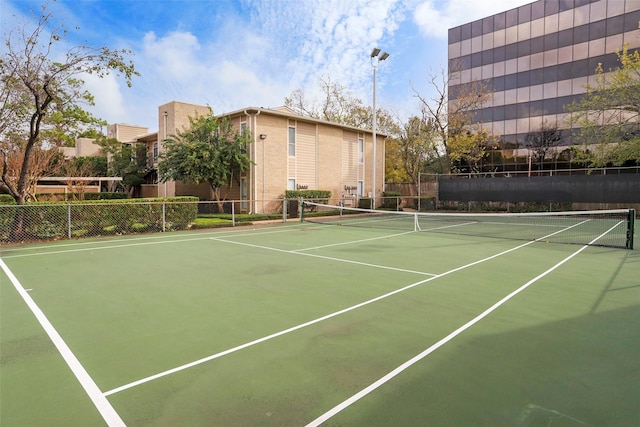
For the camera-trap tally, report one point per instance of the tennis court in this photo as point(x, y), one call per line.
point(317, 324)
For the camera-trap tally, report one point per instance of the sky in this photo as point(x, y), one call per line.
point(232, 54)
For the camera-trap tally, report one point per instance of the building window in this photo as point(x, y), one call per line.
point(360, 150)
point(291, 184)
point(360, 188)
point(292, 142)
point(155, 152)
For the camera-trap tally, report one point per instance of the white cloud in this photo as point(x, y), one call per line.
point(435, 17)
point(108, 98)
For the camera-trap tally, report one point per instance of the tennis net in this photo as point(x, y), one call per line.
point(612, 228)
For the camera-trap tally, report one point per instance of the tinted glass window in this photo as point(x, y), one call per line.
point(565, 37)
point(615, 25)
point(536, 108)
point(524, 13)
point(551, 7)
point(454, 35)
point(631, 20)
point(581, 34)
point(476, 59)
point(551, 41)
point(524, 78)
point(498, 83)
point(465, 32)
point(549, 106)
point(581, 68)
point(499, 21)
point(536, 77)
point(598, 29)
point(487, 57)
point(537, 45)
point(565, 5)
point(510, 81)
point(512, 17)
point(522, 109)
point(565, 71)
point(487, 25)
point(550, 74)
point(500, 54)
point(537, 10)
point(486, 115)
point(476, 28)
point(510, 113)
point(524, 48)
point(511, 51)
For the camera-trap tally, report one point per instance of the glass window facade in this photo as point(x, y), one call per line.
point(537, 58)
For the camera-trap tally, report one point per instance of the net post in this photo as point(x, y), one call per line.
point(301, 209)
point(630, 228)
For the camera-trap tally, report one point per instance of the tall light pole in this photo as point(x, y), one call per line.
point(376, 57)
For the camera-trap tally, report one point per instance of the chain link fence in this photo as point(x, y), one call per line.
point(57, 221)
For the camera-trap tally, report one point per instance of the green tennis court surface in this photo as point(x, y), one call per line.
point(313, 324)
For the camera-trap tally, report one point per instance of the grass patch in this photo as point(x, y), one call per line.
point(211, 222)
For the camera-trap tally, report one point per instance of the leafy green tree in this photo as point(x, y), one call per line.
point(608, 114)
point(128, 161)
point(209, 151)
point(469, 148)
point(417, 147)
point(37, 84)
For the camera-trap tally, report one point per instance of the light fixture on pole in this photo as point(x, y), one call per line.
point(376, 57)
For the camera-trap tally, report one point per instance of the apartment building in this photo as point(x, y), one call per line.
point(537, 58)
point(288, 152)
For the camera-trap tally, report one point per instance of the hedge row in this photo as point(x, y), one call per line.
point(36, 221)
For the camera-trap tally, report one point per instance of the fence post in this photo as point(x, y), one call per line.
point(233, 214)
point(68, 220)
point(284, 209)
point(163, 217)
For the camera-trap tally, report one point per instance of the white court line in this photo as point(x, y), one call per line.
point(164, 235)
point(347, 261)
point(350, 401)
point(312, 322)
point(97, 248)
point(351, 242)
point(107, 411)
point(309, 323)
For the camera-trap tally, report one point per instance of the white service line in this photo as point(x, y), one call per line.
point(107, 411)
point(351, 242)
point(362, 393)
point(303, 325)
point(311, 322)
point(298, 252)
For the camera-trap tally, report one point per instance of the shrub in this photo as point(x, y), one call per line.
point(7, 199)
point(365, 203)
point(320, 196)
point(390, 199)
point(107, 195)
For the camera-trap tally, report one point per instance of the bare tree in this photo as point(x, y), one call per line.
point(540, 142)
point(338, 105)
point(452, 111)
